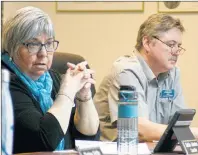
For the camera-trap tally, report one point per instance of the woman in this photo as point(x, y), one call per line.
point(46, 117)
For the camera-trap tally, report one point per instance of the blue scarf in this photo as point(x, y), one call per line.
point(41, 88)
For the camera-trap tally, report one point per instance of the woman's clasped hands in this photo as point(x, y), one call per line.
point(77, 81)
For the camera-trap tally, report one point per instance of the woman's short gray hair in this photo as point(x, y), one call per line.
point(155, 25)
point(27, 23)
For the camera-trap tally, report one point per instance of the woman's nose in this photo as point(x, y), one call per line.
point(43, 51)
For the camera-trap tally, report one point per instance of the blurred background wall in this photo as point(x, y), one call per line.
point(101, 37)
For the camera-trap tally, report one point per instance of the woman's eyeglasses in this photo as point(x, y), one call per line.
point(50, 46)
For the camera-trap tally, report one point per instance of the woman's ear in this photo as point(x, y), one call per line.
point(145, 44)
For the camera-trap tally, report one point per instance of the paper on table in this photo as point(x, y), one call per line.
point(109, 147)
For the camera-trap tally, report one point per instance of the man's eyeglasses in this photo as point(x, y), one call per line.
point(174, 48)
point(50, 46)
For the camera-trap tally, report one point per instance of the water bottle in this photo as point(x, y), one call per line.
point(127, 124)
point(7, 115)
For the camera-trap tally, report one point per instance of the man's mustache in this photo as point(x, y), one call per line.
point(173, 59)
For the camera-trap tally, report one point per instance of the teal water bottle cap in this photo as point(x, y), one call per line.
point(127, 93)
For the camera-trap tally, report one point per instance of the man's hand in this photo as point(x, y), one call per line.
point(149, 131)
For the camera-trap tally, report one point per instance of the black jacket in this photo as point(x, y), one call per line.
point(34, 130)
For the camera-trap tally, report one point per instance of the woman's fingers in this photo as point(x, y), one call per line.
point(68, 72)
point(80, 75)
point(79, 67)
point(90, 80)
point(87, 85)
point(88, 73)
point(71, 65)
point(75, 69)
point(85, 74)
point(82, 66)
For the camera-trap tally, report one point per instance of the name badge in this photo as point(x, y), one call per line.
point(167, 93)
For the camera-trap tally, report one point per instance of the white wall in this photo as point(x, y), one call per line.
point(102, 37)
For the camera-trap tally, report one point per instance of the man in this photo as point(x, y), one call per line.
point(151, 69)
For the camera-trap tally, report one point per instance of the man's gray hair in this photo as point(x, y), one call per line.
point(155, 25)
point(28, 23)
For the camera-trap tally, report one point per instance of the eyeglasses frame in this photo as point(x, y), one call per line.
point(27, 44)
point(179, 48)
